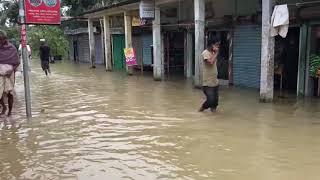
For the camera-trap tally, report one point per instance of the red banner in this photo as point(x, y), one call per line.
point(42, 11)
point(23, 36)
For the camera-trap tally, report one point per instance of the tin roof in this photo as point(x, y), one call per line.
point(113, 5)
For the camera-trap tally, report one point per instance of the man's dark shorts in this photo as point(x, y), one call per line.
point(45, 65)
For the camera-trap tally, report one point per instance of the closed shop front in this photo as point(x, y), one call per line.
point(83, 47)
point(137, 46)
point(99, 51)
point(247, 56)
point(147, 48)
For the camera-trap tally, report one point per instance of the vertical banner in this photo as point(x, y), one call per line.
point(42, 12)
point(130, 56)
point(23, 33)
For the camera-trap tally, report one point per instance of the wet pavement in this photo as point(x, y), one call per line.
point(95, 125)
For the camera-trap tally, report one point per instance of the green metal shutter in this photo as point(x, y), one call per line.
point(247, 56)
point(118, 44)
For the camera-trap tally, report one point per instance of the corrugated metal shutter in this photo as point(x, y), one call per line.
point(118, 44)
point(147, 54)
point(246, 56)
point(137, 45)
point(99, 52)
point(84, 52)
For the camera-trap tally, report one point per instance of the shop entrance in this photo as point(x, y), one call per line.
point(174, 53)
point(286, 60)
point(223, 58)
point(314, 62)
point(75, 51)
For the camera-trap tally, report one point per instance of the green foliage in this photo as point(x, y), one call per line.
point(78, 6)
point(13, 32)
point(9, 12)
point(314, 65)
point(54, 37)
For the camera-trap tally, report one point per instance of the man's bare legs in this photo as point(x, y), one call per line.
point(4, 107)
point(10, 104)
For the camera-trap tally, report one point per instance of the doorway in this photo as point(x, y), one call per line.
point(118, 44)
point(174, 53)
point(75, 51)
point(286, 60)
point(223, 57)
point(313, 84)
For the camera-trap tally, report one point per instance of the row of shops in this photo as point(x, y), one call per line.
point(173, 42)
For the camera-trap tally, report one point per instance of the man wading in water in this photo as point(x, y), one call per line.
point(45, 57)
point(9, 61)
point(210, 81)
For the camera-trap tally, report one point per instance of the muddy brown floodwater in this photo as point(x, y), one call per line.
point(97, 125)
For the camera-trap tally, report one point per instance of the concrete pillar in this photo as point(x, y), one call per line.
point(107, 42)
point(267, 54)
point(199, 17)
point(230, 68)
point(92, 44)
point(128, 35)
point(188, 55)
point(102, 39)
point(185, 55)
point(157, 47)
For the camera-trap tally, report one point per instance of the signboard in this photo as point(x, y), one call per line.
point(147, 9)
point(42, 11)
point(135, 21)
point(130, 56)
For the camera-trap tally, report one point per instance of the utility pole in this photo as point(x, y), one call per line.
point(25, 59)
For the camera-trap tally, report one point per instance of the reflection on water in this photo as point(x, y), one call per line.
point(90, 124)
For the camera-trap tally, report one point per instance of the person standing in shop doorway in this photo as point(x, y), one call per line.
point(210, 80)
point(45, 57)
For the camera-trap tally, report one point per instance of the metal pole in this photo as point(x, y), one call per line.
point(25, 59)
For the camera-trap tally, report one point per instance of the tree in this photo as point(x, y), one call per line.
point(9, 12)
point(54, 36)
point(76, 7)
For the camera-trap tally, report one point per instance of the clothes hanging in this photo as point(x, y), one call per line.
point(280, 21)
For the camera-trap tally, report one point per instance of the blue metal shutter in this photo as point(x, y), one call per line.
point(147, 54)
point(137, 45)
point(99, 51)
point(247, 56)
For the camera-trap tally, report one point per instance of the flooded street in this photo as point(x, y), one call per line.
point(96, 125)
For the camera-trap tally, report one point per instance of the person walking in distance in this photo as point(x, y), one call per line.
point(45, 57)
point(210, 80)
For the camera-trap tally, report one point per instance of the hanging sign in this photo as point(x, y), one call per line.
point(42, 11)
point(135, 21)
point(147, 9)
point(130, 55)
